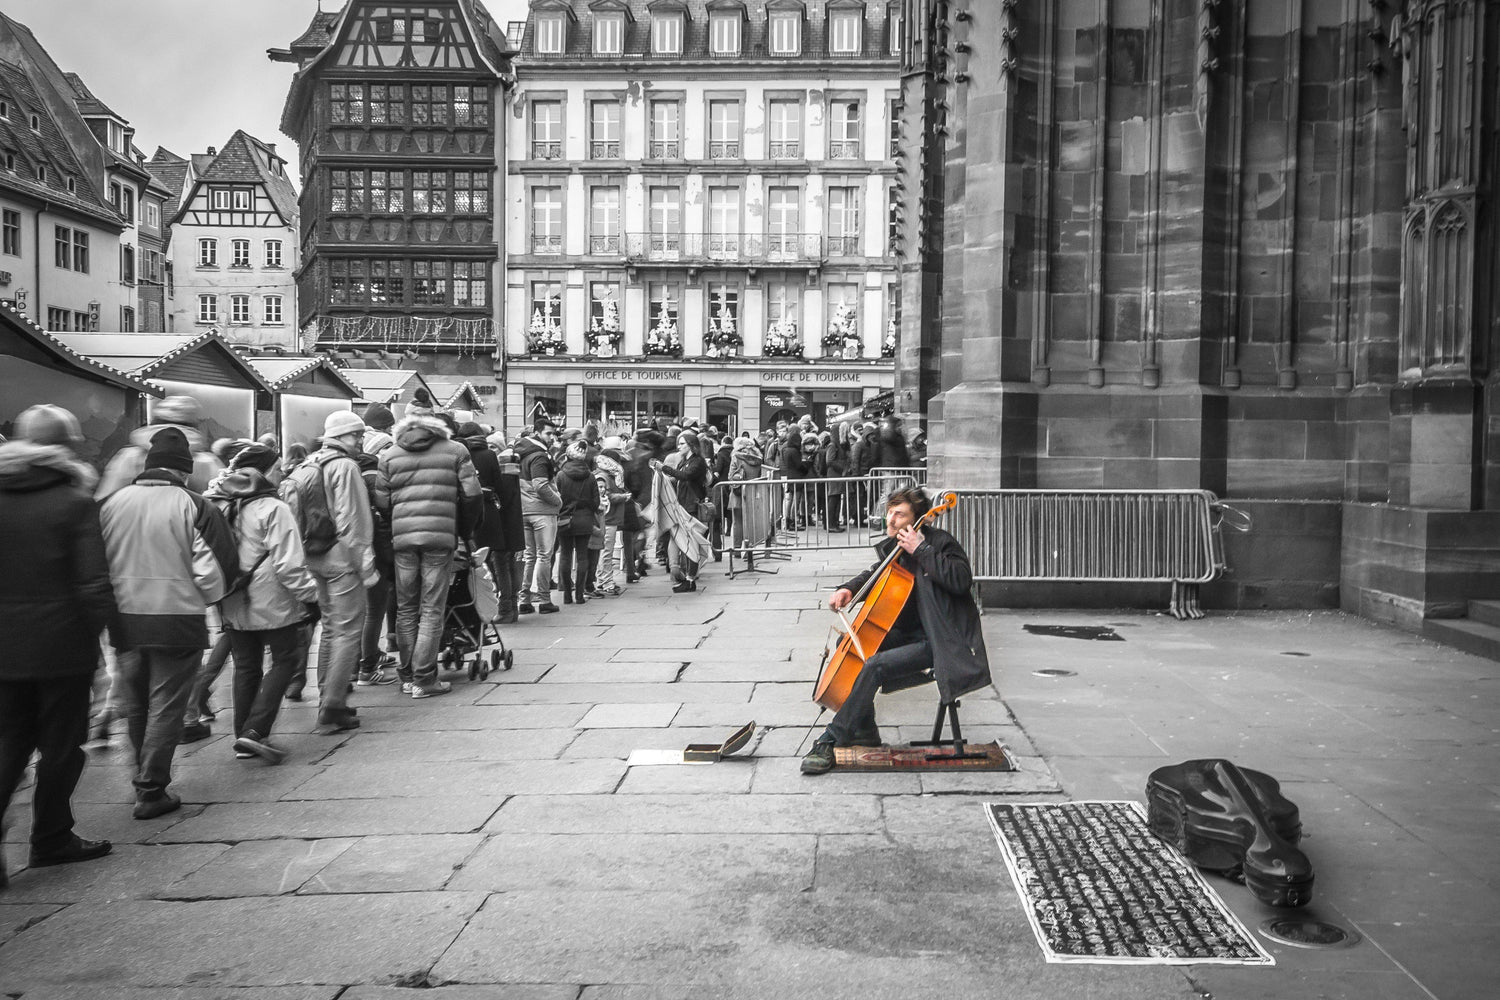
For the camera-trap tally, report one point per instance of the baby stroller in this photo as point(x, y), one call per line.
point(469, 618)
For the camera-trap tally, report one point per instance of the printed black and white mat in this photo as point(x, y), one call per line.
point(1099, 887)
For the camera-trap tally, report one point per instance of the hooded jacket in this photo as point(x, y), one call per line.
point(349, 503)
point(130, 461)
point(55, 592)
point(538, 494)
point(268, 542)
point(580, 498)
point(745, 462)
point(789, 458)
point(428, 484)
point(170, 556)
point(613, 472)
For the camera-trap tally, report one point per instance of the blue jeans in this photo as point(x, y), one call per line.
point(422, 577)
point(902, 657)
point(541, 540)
point(341, 597)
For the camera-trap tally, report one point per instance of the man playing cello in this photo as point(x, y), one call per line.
point(937, 629)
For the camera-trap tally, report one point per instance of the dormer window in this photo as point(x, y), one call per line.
point(724, 32)
point(36, 123)
point(786, 33)
point(116, 133)
point(41, 173)
point(71, 185)
point(844, 27)
point(4, 109)
point(609, 34)
point(551, 34)
point(666, 34)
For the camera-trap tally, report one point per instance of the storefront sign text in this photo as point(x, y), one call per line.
point(626, 374)
point(806, 376)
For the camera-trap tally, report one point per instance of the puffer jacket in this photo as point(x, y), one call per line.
point(349, 503)
point(428, 484)
point(538, 492)
point(267, 532)
point(130, 462)
point(608, 466)
point(55, 593)
point(580, 498)
point(170, 556)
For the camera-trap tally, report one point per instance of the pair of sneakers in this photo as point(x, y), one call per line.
point(382, 675)
point(420, 691)
point(252, 744)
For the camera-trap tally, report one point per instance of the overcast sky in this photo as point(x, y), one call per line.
point(186, 73)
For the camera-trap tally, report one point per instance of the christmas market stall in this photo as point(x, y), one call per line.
point(307, 390)
point(395, 387)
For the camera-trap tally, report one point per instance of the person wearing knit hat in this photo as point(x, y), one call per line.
point(378, 421)
point(181, 412)
point(55, 599)
point(421, 404)
point(164, 579)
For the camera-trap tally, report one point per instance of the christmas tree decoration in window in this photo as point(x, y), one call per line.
point(842, 338)
point(545, 335)
point(663, 338)
point(723, 335)
point(783, 340)
point(605, 332)
point(888, 345)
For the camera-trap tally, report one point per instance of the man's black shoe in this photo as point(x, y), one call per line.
point(159, 805)
point(819, 759)
point(194, 732)
point(548, 608)
point(526, 609)
point(685, 587)
point(78, 850)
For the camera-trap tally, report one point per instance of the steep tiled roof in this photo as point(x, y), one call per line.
point(245, 159)
point(319, 32)
point(46, 146)
point(144, 354)
point(754, 40)
point(69, 357)
point(281, 372)
point(170, 170)
point(88, 104)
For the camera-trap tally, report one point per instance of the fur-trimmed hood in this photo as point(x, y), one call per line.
point(419, 432)
point(26, 466)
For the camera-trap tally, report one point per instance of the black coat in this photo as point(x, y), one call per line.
point(512, 524)
point(692, 481)
point(891, 453)
point(947, 609)
point(580, 499)
point(55, 591)
point(491, 530)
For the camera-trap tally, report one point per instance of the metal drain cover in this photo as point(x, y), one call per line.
point(1055, 672)
point(1305, 932)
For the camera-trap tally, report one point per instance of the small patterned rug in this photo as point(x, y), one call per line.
point(917, 758)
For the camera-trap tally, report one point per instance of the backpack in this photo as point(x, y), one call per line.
point(231, 509)
point(305, 490)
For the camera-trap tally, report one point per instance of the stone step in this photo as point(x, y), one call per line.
point(1471, 636)
point(1487, 612)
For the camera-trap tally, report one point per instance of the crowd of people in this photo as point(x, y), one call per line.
point(355, 542)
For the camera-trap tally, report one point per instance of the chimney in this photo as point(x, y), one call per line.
point(212, 151)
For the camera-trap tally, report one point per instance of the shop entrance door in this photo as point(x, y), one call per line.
point(724, 413)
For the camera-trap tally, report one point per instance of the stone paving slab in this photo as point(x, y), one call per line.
point(725, 776)
point(633, 714)
point(596, 672)
point(101, 821)
point(514, 991)
point(296, 940)
point(593, 694)
point(130, 871)
point(619, 743)
point(485, 718)
point(710, 863)
point(407, 779)
point(446, 747)
point(77, 992)
point(344, 818)
point(256, 868)
point(752, 668)
point(701, 813)
point(394, 864)
point(16, 917)
point(719, 653)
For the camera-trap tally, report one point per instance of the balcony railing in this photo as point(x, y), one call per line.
point(666, 150)
point(786, 150)
point(546, 244)
point(843, 149)
point(843, 246)
point(723, 151)
point(604, 246)
point(604, 150)
point(546, 150)
point(739, 248)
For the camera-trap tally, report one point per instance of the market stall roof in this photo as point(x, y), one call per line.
point(458, 394)
point(51, 350)
point(317, 373)
point(205, 358)
point(384, 385)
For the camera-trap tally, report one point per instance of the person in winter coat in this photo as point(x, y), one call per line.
point(609, 468)
point(539, 509)
point(691, 473)
point(793, 468)
point(938, 629)
point(428, 486)
point(580, 500)
point(833, 458)
point(639, 479)
point(55, 599)
point(745, 463)
point(506, 557)
point(892, 452)
point(181, 412)
point(170, 556)
point(276, 596)
point(376, 667)
point(379, 421)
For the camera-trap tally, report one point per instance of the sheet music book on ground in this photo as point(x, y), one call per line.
point(1099, 887)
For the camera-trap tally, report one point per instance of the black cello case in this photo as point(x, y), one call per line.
point(1234, 821)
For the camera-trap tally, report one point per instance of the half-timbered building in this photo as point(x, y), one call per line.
point(394, 108)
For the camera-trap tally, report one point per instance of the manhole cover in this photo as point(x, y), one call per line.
point(1296, 654)
point(1055, 672)
point(1305, 932)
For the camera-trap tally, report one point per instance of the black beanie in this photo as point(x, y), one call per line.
point(169, 450)
point(378, 416)
point(257, 456)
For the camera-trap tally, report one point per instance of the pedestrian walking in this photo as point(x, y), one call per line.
point(540, 505)
point(181, 412)
point(745, 463)
point(580, 500)
point(55, 600)
point(170, 556)
point(506, 557)
point(610, 469)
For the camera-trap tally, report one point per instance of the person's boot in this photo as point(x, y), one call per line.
point(77, 850)
point(508, 613)
point(156, 805)
point(819, 759)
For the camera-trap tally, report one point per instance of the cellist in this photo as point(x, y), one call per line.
point(937, 630)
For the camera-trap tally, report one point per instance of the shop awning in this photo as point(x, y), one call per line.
point(24, 339)
point(308, 376)
point(391, 386)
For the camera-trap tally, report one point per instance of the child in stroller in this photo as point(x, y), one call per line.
point(469, 618)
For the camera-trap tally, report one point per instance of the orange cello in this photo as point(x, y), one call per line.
point(884, 595)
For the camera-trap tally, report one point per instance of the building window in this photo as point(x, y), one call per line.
point(666, 222)
point(10, 230)
point(601, 294)
point(893, 29)
point(471, 106)
point(208, 308)
point(546, 220)
point(609, 34)
point(127, 265)
point(387, 104)
point(153, 215)
point(546, 130)
point(86, 320)
point(36, 123)
point(272, 310)
point(551, 35)
point(429, 105)
point(786, 33)
point(893, 214)
point(429, 285)
point(127, 201)
point(41, 173)
point(783, 318)
point(783, 223)
point(388, 191)
point(127, 319)
point(723, 313)
point(273, 253)
point(546, 307)
point(242, 199)
point(240, 253)
point(723, 130)
point(786, 129)
point(843, 130)
point(5, 110)
point(844, 32)
point(429, 191)
point(666, 130)
point(10, 161)
point(604, 130)
point(346, 103)
point(604, 220)
point(72, 185)
point(724, 223)
point(387, 284)
point(80, 251)
point(346, 281)
point(62, 247)
point(208, 253)
point(724, 33)
point(346, 191)
point(58, 320)
point(471, 282)
point(666, 34)
point(843, 221)
point(843, 319)
point(471, 192)
point(218, 199)
point(239, 308)
point(893, 112)
point(663, 313)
